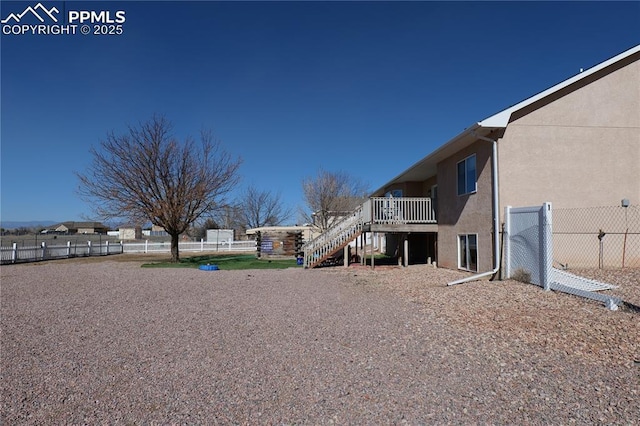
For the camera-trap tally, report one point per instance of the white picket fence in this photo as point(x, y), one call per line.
point(15, 254)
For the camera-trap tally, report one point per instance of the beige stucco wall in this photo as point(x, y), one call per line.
point(578, 148)
point(581, 150)
point(426, 186)
point(466, 214)
point(414, 189)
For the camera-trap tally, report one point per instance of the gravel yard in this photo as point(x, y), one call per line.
point(111, 343)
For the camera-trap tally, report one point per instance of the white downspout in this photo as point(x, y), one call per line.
point(496, 216)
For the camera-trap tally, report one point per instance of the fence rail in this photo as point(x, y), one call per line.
point(15, 254)
point(200, 246)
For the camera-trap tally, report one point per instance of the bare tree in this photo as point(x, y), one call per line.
point(147, 175)
point(229, 216)
point(262, 208)
point(331, 195)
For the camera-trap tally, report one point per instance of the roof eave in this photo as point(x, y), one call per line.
point(501, 119)
point(483, 129)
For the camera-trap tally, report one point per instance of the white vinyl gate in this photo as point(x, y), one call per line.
point(528, 251)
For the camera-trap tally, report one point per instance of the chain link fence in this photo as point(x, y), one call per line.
point(597, 237)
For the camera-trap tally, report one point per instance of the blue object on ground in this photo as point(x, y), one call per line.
point(209, 267)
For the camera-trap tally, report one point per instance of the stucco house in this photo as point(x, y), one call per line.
point(79, 228)
point(576, 144)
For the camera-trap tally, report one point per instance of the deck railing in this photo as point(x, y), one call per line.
point(401, 210)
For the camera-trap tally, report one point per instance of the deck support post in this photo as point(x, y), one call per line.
point(405, 252)
point(364, 250)
point(356, 247)
point(346, 255)
point(372, 252)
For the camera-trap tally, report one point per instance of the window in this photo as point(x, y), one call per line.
point(467, 175)
point(468, 252)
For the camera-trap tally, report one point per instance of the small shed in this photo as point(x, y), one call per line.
point(280, 240)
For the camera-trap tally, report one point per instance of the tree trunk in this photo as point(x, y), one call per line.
point(175, 255)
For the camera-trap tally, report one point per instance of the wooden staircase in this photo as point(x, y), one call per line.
point(334, 239)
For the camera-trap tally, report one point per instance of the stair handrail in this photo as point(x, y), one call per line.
point(335, 235)
point(357, 213)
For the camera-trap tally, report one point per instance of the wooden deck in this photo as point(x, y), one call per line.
point(377, 214)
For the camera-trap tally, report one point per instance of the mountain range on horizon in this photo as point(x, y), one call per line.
point(15, 224)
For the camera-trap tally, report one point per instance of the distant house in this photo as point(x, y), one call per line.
point(79, 228)
point(576, 145)
point(129, 232)
point(136, 232)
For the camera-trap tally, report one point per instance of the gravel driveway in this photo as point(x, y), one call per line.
point(112, 343)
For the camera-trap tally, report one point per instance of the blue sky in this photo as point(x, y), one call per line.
point(363, 87)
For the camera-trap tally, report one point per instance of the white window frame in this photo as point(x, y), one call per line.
point(467, 252)
point(475, 178)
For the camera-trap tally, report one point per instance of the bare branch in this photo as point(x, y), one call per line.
point(262, 208)
point(331, 195)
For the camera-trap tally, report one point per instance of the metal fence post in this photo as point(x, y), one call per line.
point(44, 249)
point(580, 235)
point(546, 246)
